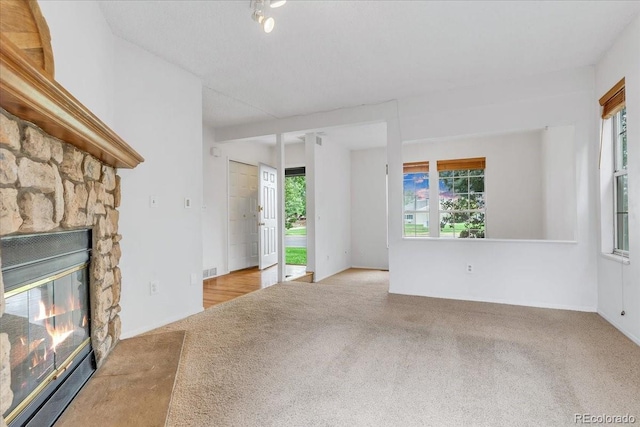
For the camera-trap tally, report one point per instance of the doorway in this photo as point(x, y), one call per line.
point(268, 215)
point(243, 216)
point(295, 240)
point(252, 210)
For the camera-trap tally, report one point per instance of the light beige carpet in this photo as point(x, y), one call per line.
point(132, 388)
point(347, 354)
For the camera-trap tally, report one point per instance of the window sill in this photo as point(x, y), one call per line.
point(445, 239)
point(617, 258)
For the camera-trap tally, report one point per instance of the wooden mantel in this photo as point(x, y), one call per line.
point(30, 93)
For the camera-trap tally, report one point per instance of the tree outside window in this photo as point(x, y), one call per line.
point(295, 196)
point(462, 203)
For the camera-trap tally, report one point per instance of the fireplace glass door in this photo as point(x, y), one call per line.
point(47, 322)
point(45, 329)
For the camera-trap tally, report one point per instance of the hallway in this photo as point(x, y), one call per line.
point(237, 283)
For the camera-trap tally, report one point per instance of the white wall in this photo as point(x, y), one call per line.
point(215, 193)
point(329, 229)
point(128, 89)
point(83, 53)
point(294, 155)
point(535, 273)
point(618, 283)
point(369, 209)
point(513, 185)
point(558, 183)
point(163, 122)
point(543, 273)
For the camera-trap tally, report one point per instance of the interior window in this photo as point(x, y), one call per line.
point(416, 199)
point(462, 198)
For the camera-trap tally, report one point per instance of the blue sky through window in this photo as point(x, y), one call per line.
point(418, 184)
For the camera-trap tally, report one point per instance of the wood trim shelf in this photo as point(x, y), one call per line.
point(23, 23)
point(28, 93)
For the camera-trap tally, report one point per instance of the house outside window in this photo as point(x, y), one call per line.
point(461, 192)
point(461, 208)
point(416, 199)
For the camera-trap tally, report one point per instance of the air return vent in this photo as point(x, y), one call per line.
point(210, 272)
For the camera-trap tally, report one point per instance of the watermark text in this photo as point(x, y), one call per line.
point(603, 419)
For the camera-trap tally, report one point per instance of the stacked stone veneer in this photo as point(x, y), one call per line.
point(49, 185)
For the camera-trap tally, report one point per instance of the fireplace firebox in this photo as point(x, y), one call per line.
point(47, 320)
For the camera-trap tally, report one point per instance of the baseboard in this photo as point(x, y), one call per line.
point(316, 280)
point(587, 309)
point(368, 267)
point(147, 328)
point(620, 328)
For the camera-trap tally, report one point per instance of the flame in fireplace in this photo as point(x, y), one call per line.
point(61, 331)
point(56, 310)
point(43, 313)
point(38, 358)
point(21, 350)
point(58, 334)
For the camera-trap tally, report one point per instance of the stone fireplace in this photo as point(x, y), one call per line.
point(59, 309)
point(47, 186)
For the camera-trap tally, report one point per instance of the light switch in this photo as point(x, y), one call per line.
point(187, 203)
point(194, 279)
point(153, 201)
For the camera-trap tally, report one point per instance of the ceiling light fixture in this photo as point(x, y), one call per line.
point(266, 22)
point(276, 3)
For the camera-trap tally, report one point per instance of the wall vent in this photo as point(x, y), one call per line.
point(210, 272)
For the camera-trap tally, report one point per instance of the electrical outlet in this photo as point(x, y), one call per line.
point(469, 268)
point(154, 287)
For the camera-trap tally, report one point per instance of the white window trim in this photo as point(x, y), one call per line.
point(415, 213)
point(434, 213)
point(616, 249)
point(484, 210)
point(616, 173)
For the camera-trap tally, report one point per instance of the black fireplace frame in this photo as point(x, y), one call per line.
point(27, 258)
point(51, 402)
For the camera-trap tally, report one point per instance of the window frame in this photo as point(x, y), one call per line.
point(433, 212)
point(411, 168)
point(623, 171)
point(480, 165)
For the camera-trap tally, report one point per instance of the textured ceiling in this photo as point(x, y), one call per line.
point(325, 55)
point(356, 137)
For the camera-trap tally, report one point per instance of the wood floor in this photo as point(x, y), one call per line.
point(224, 288)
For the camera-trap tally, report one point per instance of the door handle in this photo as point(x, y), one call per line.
point(260, 223)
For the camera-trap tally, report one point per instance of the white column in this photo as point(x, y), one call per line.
point(394, 160)
point(310, 172)
point(282, 268)
point(434, 199)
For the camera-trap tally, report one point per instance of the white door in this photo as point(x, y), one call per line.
point(268, 177)
point(243, 216)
